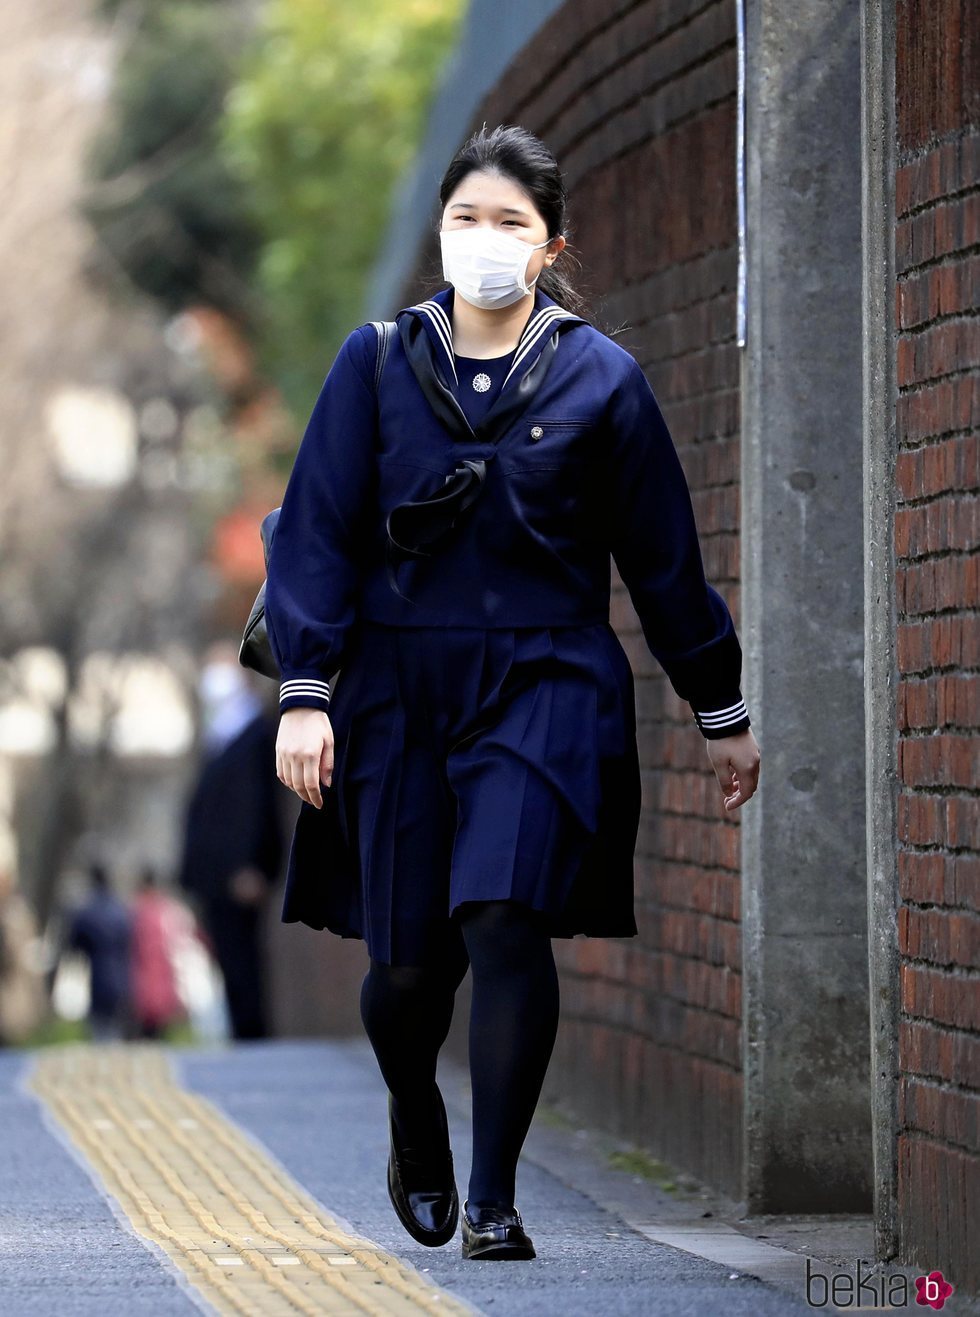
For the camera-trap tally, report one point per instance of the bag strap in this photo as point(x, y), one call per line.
point(385, 329)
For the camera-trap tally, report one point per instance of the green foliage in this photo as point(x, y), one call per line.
point(325, 117)
point(164, 206)
point(53, 1031)
point(249, 157)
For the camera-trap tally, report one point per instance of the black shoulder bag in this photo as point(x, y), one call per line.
point(255, 651)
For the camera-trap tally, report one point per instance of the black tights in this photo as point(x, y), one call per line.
point(407, 1011)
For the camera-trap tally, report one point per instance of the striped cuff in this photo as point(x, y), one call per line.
point(304, 693)
point(716, 723)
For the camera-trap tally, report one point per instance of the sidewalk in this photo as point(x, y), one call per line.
point(258, 1173)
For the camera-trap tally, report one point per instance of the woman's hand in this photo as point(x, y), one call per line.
point(304, 753)
point(247, 886)
point(735, 760)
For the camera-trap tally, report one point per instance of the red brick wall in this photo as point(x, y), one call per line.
point(638, 102)
point(937, 530)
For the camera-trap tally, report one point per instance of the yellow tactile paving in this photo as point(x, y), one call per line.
point(249, 1238)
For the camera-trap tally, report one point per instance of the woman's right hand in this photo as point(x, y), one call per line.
point(304, 752)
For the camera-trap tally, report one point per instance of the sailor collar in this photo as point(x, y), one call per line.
point(426, 331)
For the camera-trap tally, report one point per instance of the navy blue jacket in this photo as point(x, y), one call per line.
point(580, 464)
point(102, 929)
point(231, 817)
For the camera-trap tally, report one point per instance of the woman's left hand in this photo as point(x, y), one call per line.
point(735, 760)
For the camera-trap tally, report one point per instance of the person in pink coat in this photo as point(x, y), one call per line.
point(158, 923)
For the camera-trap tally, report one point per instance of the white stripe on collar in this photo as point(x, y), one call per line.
point(539, 323)
point(443, 327)
point(535, 328)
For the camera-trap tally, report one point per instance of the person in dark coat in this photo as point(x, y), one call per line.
point(470, 781)
point(101, 929)
point(232, 843)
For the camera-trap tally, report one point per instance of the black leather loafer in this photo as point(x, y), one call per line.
point(423, 1189)
point(495, 1232)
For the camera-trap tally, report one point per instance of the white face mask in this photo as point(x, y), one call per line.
point(485, 266)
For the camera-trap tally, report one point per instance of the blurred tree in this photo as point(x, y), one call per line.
point(250, 154)
point(324, 119)
point(166, 209)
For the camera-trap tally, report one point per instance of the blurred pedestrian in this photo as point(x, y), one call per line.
point(159, 924)
point(478, 752)
point(101, 929)
point(232, 845)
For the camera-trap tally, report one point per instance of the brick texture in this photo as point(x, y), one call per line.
point(637, 100)
point(937, 530)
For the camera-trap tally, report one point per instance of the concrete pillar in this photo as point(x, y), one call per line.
point(880, 626)
point(807, 1107)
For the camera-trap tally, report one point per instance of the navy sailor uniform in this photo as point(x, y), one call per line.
point(482, 705)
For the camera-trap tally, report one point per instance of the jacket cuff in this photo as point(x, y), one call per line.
point(725, 721)
point(301, 692)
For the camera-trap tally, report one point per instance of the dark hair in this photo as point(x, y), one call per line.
point(520, 156)
point(99, 876)
point(149, 876)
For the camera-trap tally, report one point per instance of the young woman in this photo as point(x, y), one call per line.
point(470, 785)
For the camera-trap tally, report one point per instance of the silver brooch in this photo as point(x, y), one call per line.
point(481, 382)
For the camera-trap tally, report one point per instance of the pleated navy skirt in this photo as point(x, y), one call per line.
point(473, 764)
